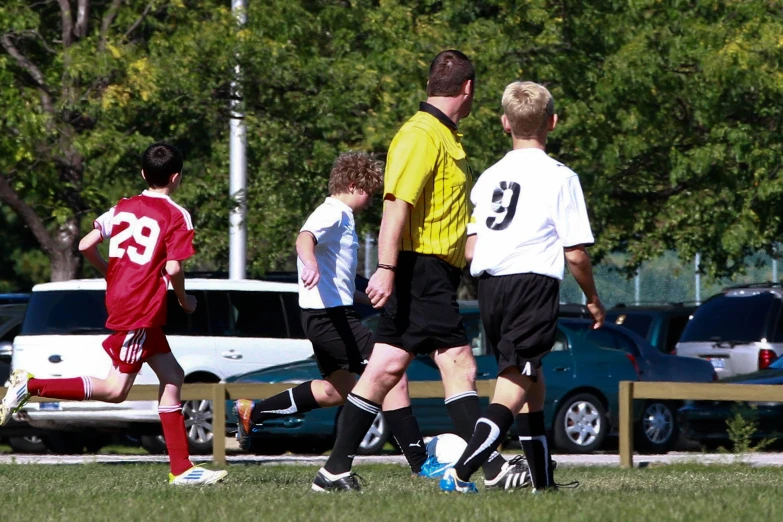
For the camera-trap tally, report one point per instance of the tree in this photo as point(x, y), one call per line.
point(89, 84)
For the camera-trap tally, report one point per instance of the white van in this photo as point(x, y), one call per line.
point(238, 326)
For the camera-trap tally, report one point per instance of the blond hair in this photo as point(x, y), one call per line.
point(528, 107)
point(357, 168)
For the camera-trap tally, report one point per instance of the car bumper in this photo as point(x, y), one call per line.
point(52, 416)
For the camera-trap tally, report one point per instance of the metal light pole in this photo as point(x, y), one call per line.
point(697, 278)
point(237, 249)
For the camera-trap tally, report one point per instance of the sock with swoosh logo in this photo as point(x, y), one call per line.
point(489, 432)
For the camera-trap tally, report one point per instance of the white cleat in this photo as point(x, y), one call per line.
point(197, 476)
point(16, 396)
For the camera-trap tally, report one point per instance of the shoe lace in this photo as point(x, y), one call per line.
point(357, 479)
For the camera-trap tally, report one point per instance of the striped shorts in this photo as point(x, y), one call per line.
point(129, 350)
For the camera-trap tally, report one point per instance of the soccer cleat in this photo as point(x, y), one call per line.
point(243, 408)
point(197, 476)
point(556, 487)
point(514, 474)
point(344, 482)
point(432, 468)
point(451, 483)
point(16, 396)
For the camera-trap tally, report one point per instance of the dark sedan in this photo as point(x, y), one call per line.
point(705, 421)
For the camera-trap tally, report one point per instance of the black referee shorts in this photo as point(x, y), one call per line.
point(422, 314)
point(519, 314)
point(340, 340)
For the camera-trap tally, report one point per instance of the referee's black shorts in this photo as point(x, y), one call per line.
point(340, 340)
point(422, 314)
point(519, 315)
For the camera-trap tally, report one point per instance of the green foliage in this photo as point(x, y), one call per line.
point(668, 111)
point(742, 428)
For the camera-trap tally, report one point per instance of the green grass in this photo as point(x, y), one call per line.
point(265, 493)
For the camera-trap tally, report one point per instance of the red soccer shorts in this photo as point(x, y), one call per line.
point(129, 350)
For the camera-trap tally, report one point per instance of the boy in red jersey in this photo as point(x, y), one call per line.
point(149, 237)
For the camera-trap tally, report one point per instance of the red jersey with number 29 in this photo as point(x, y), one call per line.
point(144, 232)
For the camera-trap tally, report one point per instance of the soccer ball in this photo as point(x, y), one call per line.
point(447, 448)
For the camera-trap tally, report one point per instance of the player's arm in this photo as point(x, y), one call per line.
point(179, 247)
point(305, 249)
point(470, 247)
point(177, 279)
point(582, 269)
point(395, 215)
point(88, 246)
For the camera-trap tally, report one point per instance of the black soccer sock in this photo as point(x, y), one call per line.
point(490, 430)
point(405, 429)
point(355, 420)
point(294, 400)
point(532, 437)
point(464, 410)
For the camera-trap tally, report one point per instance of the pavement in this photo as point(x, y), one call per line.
point(752, 459)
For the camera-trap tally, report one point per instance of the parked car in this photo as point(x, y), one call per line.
point(238, 326)
point(661, 324)
point(657, 430)
point(582, 394)
point(738, 331)
point(705, 421)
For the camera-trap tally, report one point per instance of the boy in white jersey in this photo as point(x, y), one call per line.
point(529, 216)
point(327, 248)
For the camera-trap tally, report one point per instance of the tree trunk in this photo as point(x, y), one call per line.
point(66, 260)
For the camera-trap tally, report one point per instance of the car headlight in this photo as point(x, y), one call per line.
point(763, 404)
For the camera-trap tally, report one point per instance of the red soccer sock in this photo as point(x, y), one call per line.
point(76, 388)
point(176, 438)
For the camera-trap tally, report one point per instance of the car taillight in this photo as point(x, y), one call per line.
point(635, 364)
point(714, 376)
point(674, 351)
point(766, 357)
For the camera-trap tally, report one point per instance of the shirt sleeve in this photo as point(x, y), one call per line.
point(409, 165)
point(179, 239)
point(323, 224)
point(103, 223)
point(570, 215)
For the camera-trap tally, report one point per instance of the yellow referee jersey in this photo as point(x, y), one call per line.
point(427, 167)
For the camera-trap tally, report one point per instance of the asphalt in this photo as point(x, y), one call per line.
point(753, 459)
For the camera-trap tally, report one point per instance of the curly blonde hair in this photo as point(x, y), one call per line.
point(358, 169)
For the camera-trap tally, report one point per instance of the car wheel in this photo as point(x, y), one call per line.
point(29, 444)
point(64, 443)
point(581, 424)
point(154, 444)
point(657, 431)
point(198, 425)
point(376, 437)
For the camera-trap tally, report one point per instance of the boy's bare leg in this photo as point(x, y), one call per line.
point(171, 377)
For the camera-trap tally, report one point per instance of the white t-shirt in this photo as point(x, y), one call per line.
point(527, 208)
point(336, 250)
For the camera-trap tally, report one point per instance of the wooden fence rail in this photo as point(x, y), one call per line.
point(630, 390)
point(218, 393)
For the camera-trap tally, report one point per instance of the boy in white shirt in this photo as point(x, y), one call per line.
point(529, 216)
point(327, 248)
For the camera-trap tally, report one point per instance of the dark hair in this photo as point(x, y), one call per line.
point(448, 71)
point(159, 162)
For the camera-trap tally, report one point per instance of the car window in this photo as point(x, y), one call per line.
point(293, 315)
point(606, 338)
point(13, 332)
point(677, 324)
point(65, 312)
point(561, 342)
point(472, 324)
point(221, 314)
point(637, 322)
point(736, 318)
point(180, 323)
point(258, 314)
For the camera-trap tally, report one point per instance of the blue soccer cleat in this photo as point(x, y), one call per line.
point(451, 483)
point(433, 469)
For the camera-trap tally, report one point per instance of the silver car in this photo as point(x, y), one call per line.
point(739, 330)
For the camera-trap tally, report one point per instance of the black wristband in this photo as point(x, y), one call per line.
point(387, 267)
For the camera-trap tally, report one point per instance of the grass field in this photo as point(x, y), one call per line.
point(262, 493)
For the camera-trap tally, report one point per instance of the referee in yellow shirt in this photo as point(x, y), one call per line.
point(421, 253)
